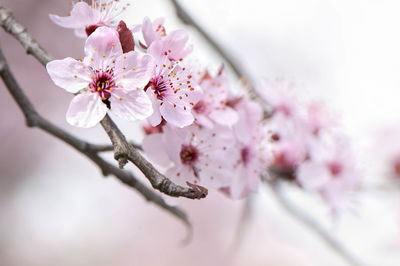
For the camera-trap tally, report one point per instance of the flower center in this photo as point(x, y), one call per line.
point(200, 107)
point(103, 84)
point(189, 154)
point(245, 155)
point(159, 85)
point(335, 168)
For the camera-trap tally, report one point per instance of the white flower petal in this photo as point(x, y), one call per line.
point(176, 116)
point(81, 16)
point(102, 47)
point(134, 70)
point(86, 110)
point(69, 74)
point(225, 117)
point(131, 105)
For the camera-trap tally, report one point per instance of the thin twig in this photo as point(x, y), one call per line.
point(123, 152)
point(16, 29)
point(107, 147)
point(34, 119)
point(243, 224)
point(306, 220)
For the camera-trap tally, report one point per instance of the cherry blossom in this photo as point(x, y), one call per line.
point(254, 156)
point(289, 137)
point(173, 92)
point(172, 45)
point(153, 31)
point(106, 79)
point(194, 154)
point(330, 170)
point(318, 118)
point(277, 94)
point(84, 18)
point(213, 107)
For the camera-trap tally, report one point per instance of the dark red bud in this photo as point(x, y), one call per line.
point(90, 29)
point(125, 37)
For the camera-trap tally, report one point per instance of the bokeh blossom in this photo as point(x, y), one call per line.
point(194, 154)
point(214, 106)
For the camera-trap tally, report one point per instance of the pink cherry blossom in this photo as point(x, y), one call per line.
point(277, 94)
point(213, 107)
point(172, 45)
point(386, 147)
point(250, 116)
point(194, 154)
point(86, 18)
point(330, 170)
point(173, 92)
point(318, 118)
point(153, 31)
point(106, 79)
point(289, 137)
point(254, 156)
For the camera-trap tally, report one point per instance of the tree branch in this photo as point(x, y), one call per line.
point(124, 152)
point(306, 220)
point(34, 119)
point(107, 147)
point(13, 27)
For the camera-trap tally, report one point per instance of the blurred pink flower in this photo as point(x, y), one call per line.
point(213, 107)
point(86, 18)
point(194, 154)
point(254, 157)
point(289, 138)
point(330, 170)
point(276, 93)
point(105, 79)
point(318, 118)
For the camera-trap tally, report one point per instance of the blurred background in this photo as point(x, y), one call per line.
point(57, 209)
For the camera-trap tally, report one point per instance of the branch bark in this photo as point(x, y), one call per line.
point(124, 152)
point(16, 29)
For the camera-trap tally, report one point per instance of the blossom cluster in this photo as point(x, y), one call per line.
point(196, 128)
point(308, 146)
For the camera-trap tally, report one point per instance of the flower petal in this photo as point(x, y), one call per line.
point(102, 47)
point(155, 118)
point(175, 42)
point(81, 16)
point(134, 70)
point(131, 104)
point(181, 174)
point(86, 110)
point(225, 117)
point(148, 31)
point(312, 175)
point(69, 74)
point(175, 115)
